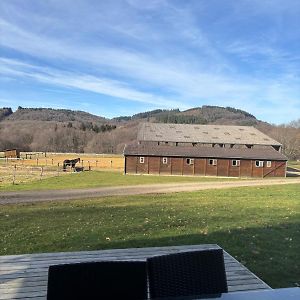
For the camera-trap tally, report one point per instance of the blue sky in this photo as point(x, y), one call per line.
point(115, 58)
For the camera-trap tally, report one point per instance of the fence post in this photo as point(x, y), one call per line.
point(89, 165)
point(14, 174)
point(96, 163)
point(57, 169)
point(37, 161)
point(52, 161)
point(41, 174)
point(111, 164)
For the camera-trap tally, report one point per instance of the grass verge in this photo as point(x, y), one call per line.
point(259, 226)
point(101, 179)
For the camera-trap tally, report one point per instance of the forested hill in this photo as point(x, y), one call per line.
point(200, 115)
point(5, 112)
point(50, 114)
point(61, 130)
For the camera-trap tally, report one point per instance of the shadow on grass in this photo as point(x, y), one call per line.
point(272, 252)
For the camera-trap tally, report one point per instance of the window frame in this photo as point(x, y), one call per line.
point(237, 163)
point(269, 164)
point(189, 161)
point(260, 164)
point(142, 159)
point(165, 160)
point(212, 161)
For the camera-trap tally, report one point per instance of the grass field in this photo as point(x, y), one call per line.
point(259, 226)
point(100, 179)
point(294, 164)
point(29, 168)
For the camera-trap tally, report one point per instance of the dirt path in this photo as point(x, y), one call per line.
point(52, 195)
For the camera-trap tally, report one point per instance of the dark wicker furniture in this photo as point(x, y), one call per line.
point(187, 273)
point(98, 280)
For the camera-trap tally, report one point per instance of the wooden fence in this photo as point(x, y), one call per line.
point(87, 162)
point(16, 174)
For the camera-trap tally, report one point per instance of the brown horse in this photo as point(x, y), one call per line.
point(70, 163)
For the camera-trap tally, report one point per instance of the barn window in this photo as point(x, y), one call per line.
point(259, 163)
point(269, 164)
point(235, 163)
point(189, 161)
point(212, 162)
point(165, 160)
point(142, 159)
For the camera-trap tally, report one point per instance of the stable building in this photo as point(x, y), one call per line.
point(12, 153)
point(204, 150)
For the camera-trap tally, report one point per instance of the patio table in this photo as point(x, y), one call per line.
point(271, 294)
point(25, 276)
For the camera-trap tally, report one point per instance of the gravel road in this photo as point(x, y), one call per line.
point(54, 195)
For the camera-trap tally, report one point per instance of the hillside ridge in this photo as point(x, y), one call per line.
point(200, 115)
point(65, 130)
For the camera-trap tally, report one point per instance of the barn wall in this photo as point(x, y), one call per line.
point(201, 166)
point(187, 169)
point(130, 164)
point(234, 171)
point(154, 165)
point(211, 170)
point(246, 168)
point(277, 169)
point(222, 167)
point(165, 168)
point(257, 171)
point(281, 169)
point(177, 166)
point(14, 153)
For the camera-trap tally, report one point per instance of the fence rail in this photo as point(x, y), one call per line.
point(116, 163)
point(16, 174)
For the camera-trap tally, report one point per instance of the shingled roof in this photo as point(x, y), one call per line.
point(210, 152)
point(210, 134)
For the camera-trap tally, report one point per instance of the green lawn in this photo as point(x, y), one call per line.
point(259, 226)
point(101, 179)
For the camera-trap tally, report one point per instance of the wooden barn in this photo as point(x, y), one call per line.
point(207, 150)
point(12, 153)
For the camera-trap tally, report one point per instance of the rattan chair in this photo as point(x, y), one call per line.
point(98, 280)
point(187, 274)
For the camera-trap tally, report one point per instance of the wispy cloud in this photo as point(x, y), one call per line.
point(82, 81)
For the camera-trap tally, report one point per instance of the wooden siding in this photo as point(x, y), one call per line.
point(202, 167)
point(12, 153)
point(246, 167)
point(25, 276)
point(165, 168)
